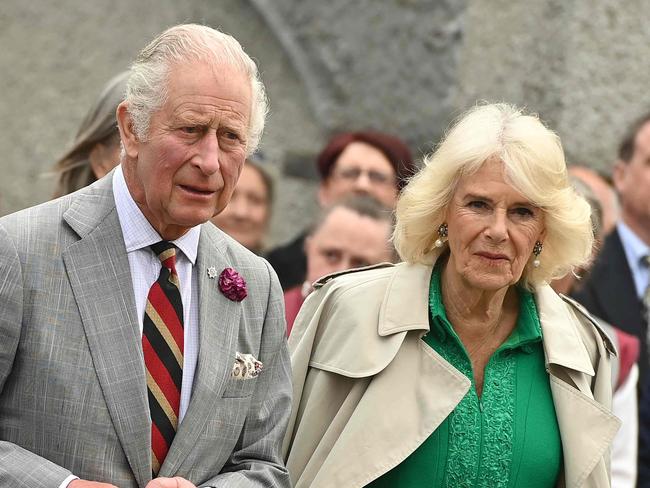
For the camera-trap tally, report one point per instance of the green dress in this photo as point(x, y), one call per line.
point(508, 437)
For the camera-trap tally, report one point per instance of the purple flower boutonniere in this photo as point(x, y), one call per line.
point(232, 285)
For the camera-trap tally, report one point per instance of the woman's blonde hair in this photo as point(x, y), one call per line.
point(534, 164)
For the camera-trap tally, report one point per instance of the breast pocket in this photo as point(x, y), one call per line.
point(237, 388)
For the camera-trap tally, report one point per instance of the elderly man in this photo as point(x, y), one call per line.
point(352, 163)
point(137, 342)
point(351, 233)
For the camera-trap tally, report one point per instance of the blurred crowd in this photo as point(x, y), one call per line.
point(361, 174)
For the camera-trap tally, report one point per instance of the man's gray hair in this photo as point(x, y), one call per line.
point(147, 87)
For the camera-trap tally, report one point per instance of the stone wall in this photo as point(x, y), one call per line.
point(406, 66)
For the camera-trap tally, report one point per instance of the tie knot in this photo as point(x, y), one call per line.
point(166, 252)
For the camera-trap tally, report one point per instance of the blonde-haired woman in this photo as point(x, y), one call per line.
point(461, 367)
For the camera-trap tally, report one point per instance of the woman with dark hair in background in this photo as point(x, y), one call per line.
point(96, 147)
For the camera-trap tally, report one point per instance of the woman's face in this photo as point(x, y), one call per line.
point(246, 216)
point(492, 229)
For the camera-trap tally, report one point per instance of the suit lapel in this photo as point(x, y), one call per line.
point(615, 288)
point(218, 326)
point(99, 273)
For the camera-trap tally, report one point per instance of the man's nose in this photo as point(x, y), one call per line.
point(207, 158)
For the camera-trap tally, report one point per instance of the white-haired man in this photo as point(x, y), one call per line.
point(137, 342)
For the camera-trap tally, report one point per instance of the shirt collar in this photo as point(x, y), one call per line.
point(527, 330)
point(136, 229)
point(634, 247)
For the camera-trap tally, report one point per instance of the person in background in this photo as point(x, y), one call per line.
point(351, 233)
point(96, 147)
point(363, 163)
point(461, 366)
point(618, 283)
point(247, 216)
point(625, 370)
point(603, 191)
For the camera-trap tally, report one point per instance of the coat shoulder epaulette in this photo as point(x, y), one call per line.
point(607, 340)
point(325, 279)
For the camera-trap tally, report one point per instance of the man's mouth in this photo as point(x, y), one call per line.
point(197, 190)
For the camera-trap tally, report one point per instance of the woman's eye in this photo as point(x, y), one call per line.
point(477, 204)
point(191, 129)
point(523, 212)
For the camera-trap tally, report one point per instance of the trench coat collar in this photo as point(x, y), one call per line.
point(402, 311)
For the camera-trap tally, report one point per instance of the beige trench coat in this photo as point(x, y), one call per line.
point(368, 391)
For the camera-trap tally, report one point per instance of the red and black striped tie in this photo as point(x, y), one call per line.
point(162, 344)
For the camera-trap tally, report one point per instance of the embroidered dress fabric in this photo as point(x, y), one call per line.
point(509, 437)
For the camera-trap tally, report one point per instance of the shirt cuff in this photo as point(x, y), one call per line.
point(68, 480)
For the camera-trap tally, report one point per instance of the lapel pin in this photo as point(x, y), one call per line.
point(212, 272)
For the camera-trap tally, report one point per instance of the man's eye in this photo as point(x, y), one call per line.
point(191, 129)
point(231, 136)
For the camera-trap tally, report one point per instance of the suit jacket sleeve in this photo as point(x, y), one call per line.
point(257, 459)
point(19, 468)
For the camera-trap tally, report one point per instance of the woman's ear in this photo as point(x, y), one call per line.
point(129, 138)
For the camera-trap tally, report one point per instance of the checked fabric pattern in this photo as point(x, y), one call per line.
point(162, 344)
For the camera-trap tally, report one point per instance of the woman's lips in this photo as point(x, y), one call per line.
point(493, 256)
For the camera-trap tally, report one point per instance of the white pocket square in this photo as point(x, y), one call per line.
point(246, 367)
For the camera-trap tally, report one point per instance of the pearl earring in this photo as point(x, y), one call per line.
point(443, 231)
point(537, 250)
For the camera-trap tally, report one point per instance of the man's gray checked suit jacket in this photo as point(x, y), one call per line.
point(73, 395)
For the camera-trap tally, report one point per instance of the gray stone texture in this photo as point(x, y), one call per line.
point(580, 65)
point(405, 66)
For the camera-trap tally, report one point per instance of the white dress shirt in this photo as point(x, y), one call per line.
point(145, 268)
point(635, 249)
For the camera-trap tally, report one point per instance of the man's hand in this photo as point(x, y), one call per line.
point(89, 484)
point(176, 482)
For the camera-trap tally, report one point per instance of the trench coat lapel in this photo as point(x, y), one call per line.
point(391, 425)
point(218, 327)
point(99, 273)
point(378, 442)
point(586, 427)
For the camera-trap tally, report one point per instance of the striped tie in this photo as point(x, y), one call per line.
point(162, 344)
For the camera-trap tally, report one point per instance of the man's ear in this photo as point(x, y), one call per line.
point(130, 140)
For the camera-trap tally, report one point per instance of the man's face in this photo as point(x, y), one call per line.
point(346, 240)
point(360, 169)
point(186, 170)
point(632, 181)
